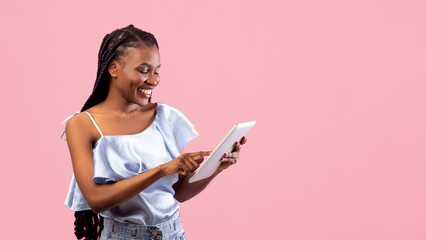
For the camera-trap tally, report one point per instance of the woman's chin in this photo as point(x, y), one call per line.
point(142, 101)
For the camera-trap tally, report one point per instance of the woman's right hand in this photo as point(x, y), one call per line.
point(185, 163)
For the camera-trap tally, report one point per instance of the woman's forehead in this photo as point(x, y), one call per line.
point(141, 55)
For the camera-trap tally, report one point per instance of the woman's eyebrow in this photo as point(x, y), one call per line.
point(149, 65)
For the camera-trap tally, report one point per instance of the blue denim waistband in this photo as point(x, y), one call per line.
point(137, 231)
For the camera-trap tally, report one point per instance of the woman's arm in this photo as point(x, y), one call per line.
point(185, 190)
point(101, 197)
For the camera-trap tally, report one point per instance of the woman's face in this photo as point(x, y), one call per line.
point(139, 74)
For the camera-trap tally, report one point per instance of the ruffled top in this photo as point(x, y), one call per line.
point(119, 157)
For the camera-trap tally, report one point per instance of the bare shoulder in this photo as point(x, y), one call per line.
point(77, 121)
point(79, 126)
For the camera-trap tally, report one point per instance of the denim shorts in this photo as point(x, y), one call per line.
point(169, 230)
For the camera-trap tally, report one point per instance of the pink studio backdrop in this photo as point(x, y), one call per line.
point(337, 89)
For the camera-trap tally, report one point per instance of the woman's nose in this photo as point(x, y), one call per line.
point(153, 80)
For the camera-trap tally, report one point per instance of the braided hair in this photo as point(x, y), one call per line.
point(115, 45)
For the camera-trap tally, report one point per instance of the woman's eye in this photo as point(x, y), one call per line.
point(147, 71)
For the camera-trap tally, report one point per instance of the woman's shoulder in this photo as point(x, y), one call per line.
point(78, 122)
point(169, 111)
point(81, 124)
point(175, 118)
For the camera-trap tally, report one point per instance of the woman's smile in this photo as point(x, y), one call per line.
point(145, 92)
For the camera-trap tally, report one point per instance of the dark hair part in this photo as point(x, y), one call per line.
point(115, 45)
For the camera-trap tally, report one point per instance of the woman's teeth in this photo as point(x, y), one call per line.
point(147, 91)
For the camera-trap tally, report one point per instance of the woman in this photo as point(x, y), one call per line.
point(127, 152)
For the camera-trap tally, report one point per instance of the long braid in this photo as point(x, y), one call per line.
point(88, 224)
point(101, 51)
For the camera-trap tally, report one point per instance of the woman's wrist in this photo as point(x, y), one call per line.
point(161, 170)
point(218, 171)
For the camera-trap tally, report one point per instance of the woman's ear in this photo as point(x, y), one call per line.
point(113, 68)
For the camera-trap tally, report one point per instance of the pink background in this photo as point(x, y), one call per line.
point(337, 89)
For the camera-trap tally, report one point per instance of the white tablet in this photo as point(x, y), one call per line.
point(210, 165)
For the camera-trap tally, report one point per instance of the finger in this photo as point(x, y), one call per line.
point(232, 155)
point(190, 162)
point(203, 153)
point(235, 155)
point(198, 158)
point(183, 165)
point(182, 171)
point(243, 140)
point(229, 160)
point(237, 147)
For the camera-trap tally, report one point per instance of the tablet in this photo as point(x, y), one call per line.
point(210, 165)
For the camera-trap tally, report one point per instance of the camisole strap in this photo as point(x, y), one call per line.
point(96, 125)
point(64, 122)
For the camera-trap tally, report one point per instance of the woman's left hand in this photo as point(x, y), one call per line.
point(231, 158)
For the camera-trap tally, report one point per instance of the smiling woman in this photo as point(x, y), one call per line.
point(130, 171)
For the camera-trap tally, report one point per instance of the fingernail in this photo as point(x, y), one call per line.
point(225, 154)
